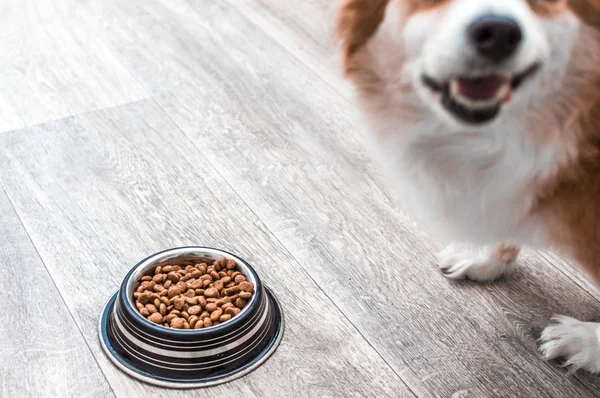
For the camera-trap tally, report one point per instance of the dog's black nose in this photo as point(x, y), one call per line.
point(495, 37)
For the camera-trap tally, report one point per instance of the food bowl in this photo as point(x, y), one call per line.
point(190, 358)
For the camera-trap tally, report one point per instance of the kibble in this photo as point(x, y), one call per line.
point(195, 296)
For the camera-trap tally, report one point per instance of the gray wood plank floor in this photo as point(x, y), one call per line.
point(38, 332)
point(226, 124)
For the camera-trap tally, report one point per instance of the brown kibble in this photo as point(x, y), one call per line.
point(196, 273)
point(233, 311)
point(173, 276)
point(144, 298)
point(178, 303)
point(218, 285)
point(240, 302)
point(170, 317)
point(225, 317)
point(194, 310)
point(174, 291)
point(230, 291)
point(156, 318)
point(223, 300)
point(195, 296)
point(197, 284)
point(247, 286)
point(152, 308)
point(177, 323)
point(231, 264)
point(214, 316)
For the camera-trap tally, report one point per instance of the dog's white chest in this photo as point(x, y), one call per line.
point(472, 187)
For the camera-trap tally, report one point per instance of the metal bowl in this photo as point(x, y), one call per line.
point(196, 357)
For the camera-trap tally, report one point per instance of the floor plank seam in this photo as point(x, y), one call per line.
point(74, 115)
point(57, 289)
point(283, 246)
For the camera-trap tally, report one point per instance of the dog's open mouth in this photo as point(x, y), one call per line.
point(477, 100)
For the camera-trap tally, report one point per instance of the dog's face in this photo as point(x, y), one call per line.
point(468, 62)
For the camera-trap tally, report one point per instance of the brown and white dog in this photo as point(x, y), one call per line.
point(486, 114)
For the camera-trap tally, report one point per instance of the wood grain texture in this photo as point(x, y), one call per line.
point(54, 65)
point(288, 145)
point(114, 186)
point(41, 350)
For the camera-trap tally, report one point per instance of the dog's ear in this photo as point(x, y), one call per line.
point(357, 21)
point(587, 10)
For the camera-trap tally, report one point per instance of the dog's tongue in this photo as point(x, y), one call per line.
point(479, 89)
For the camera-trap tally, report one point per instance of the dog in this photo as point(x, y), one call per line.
point(485, 115)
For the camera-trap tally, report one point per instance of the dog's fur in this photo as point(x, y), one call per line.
point(531, 176)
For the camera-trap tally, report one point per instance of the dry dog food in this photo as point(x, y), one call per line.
point(193, 297)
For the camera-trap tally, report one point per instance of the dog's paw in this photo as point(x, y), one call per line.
point(482, 264)
point(578, 342)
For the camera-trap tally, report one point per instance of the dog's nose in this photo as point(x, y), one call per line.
point(495, 37)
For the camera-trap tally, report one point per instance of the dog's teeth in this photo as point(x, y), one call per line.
point(504, 93)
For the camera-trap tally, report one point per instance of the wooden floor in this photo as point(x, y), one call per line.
point(127, 127)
